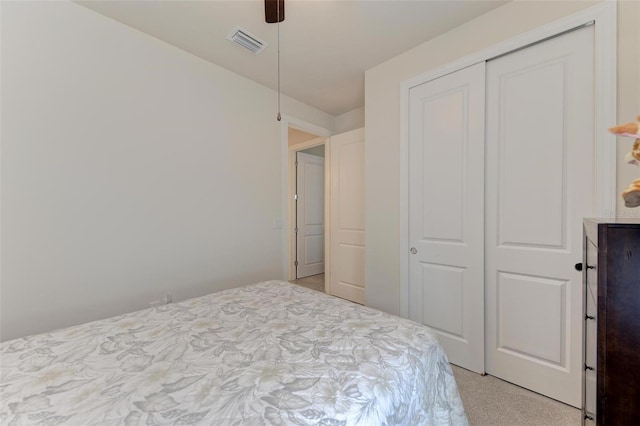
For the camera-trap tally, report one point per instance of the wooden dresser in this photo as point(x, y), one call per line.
point(611, 267)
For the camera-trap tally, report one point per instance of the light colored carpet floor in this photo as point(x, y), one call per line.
point(489, 401)
point(314, 282)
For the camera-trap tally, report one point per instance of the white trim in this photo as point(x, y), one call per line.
point(404, 200)
point(604, 16)
point(327, 217)
point(291, 213)
point(305, 126)
point(288, 158)
point(606, 115)
point(301, 146)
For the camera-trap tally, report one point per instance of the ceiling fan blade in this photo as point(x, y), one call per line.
point(271, 9)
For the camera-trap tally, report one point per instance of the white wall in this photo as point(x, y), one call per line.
point(382, 114)
point(129, 169)
point(296, 136)
point(350, 120)
point(628, 92)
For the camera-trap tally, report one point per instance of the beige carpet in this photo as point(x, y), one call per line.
point(492, 402)
point(314, 282)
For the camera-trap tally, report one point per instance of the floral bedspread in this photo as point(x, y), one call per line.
point(271, 353)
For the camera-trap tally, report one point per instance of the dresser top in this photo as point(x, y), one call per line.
point(593, 226)
point(614, 221)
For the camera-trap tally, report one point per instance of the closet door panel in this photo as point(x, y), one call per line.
point(539, 183)
point(446, 193)
point(531, 139)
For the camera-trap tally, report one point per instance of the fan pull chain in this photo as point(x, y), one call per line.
point(279, 117)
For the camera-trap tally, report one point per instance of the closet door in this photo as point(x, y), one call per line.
point(540, 183)
point(446, 206)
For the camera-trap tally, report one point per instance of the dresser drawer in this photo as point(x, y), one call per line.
point(590, 365)
point(590, 396)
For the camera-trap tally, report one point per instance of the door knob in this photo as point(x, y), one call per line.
point(413, 250)
point(578, 266)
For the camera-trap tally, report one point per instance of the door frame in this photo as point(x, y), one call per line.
point(604, 18)
point(289, 188)
point(294, 150)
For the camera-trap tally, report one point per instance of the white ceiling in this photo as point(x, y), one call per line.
point(326, 45)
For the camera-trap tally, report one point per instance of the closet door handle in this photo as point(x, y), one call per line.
point(579, 266)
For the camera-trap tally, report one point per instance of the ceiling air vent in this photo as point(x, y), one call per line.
point(247, 40)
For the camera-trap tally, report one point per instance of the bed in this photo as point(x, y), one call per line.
point(271, 353)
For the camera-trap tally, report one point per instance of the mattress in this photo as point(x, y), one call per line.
point(271, 353)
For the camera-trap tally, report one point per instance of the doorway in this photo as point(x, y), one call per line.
point(307, 193)
point(309, 200)
point(343, 207)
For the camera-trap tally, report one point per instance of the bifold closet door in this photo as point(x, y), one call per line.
point(540, 183)
point(446, 206)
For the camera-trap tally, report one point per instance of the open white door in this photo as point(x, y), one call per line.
point(309, 215)
point(446, 212)
point(540, 184)
point(346, 277)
